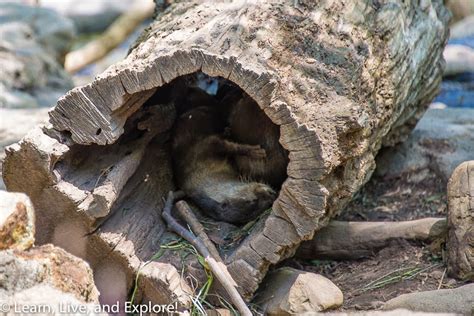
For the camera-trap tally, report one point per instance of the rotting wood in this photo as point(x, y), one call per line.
point(340, 79)
point(104, 196)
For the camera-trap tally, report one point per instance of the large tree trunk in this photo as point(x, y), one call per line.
point(340, 78)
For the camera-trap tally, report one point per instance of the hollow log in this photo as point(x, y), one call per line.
point(340, 79)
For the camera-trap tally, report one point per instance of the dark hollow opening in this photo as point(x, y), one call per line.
point(225, 151)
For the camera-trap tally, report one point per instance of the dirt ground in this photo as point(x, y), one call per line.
point(403, 267)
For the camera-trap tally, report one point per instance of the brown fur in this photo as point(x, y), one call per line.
point(202, 161)
point(248, 124)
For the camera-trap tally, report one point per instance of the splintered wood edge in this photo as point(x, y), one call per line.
point(96, 113)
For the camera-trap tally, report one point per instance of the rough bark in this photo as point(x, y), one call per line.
point(339, 78)
point(460, 244)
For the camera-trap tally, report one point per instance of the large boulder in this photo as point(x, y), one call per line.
point(442, 140)
point(33, 44)
point(46, 265)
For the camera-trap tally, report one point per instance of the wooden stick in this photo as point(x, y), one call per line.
point(355, 240)
point(115, 34)
point(216, 265)
point(187, 214)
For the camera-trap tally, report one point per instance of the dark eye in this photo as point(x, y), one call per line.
point(224, 205)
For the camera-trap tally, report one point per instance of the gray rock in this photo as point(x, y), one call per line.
point(45, 265)
point(53, 32)
point(441, 141)
point(288, 291)
point(459, 300)
point(17, 221)
point(33, 43)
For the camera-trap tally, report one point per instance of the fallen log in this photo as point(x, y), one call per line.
point(338, 79)
point(356, 240)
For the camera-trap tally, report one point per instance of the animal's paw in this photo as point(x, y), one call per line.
point(263, 191)
point(265, 195)
point(257, 152)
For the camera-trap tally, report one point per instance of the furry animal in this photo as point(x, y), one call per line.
point(248, 124)
point(202, 162)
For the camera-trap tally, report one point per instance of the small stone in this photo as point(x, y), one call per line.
point(438, 105)
point(437, 274)
point(288, 291)
point(459, 301)
point(219, 312)
point(17, 221)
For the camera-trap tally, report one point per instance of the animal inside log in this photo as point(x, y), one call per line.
point(334, 80)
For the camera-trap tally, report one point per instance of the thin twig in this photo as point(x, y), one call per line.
point(216, 265)
point(442, 278)
point(185, 212)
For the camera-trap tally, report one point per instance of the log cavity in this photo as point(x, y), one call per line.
point(199, 134)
